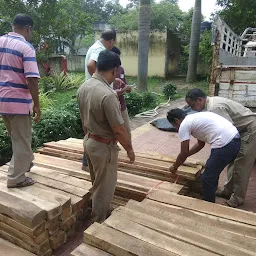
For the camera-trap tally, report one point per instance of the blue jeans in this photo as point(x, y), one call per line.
point(85, 161)
point(218, 160)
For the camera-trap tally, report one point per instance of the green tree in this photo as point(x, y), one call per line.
point(143, 44)
point(194, 42)
point(238, 14)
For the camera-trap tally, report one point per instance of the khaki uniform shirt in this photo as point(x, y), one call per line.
point(233, 111)
point(99, 107)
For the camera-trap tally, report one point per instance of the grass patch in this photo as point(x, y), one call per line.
point(61, 98)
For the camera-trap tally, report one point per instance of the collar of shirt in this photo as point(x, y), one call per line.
point(101, 44)
point(207, 104)
point(16, 35)
point(103, 80)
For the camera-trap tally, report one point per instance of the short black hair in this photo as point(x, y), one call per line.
point(108, 35)
point(195, 93)
point(116, 50)
point(23, 20)
point(175, 113)
point(108, 60)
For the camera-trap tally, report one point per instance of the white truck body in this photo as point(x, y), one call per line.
point(234, 64)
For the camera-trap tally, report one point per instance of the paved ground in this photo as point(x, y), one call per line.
point(148, 138)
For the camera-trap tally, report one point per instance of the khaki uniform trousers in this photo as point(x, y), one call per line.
point(240, 170)
point(126, 119)
point(19, 128)
point(102, 162)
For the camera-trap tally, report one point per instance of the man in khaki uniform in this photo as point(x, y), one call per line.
point(104, 127)
point(244, 120)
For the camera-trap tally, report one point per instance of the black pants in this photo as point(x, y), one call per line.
point(218, 160)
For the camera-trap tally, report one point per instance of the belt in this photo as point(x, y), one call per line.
point(102, 140)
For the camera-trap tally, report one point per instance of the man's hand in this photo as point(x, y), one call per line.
point(119, 82)
point(127, 88)
point(36, 113)
point(131, 156)
point(172, 169)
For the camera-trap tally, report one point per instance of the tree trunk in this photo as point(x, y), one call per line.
point(194, 43)
point(143, 44)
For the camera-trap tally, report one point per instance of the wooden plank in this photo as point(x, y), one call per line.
point(67, 223)
point(52, 209)
point(119, 243)
point(58, 176)
point(32, 232)
point(87, 250)
point(40, 249)
point(24, 237)
point(43, 194)
point(181, 231)
point(76, 202)
point(164, 158)
point(154, 238)
point(61, 153)
point(58, 239)
point(30, 216)
point(9, 249)
point(205, 207)
point(194, 219)
point(55, 184)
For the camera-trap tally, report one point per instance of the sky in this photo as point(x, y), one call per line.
point(208, 6)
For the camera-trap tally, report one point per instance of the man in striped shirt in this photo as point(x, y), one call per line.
point(19, 77)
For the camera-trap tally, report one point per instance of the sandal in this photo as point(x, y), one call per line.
point(27, 182)
point(231, 203)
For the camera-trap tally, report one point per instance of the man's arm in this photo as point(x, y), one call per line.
point(122, 136)
point(34, 91)
point(91, 66)
point(183, 155)
point(196, 148)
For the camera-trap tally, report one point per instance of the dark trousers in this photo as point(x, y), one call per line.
point(84, 161)
point(218, 160)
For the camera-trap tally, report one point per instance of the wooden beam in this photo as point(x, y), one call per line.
point(7, 248)
point(193, 218)
point(119, 243)
point(87, 250)
point(154, 238)
point(189, 230)
point(205, 207)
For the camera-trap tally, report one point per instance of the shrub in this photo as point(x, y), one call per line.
point(5, 144)
point(62, 82)
point(149, 100)
point(139, 102)
point(57, 125)
point(45, 101)
point(134, 102)
point(46, 84)
point(169, 90)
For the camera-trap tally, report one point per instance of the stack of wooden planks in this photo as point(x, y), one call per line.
point(151, 165)
point(41, 217)
point(170, 224)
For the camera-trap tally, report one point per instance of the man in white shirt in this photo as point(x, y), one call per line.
point(209, 128)
point(106, 42)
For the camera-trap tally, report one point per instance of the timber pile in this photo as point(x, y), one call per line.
point(151, 165)
point(169, 224)
point(41, 217)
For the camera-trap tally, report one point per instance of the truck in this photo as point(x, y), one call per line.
point(233, 73)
